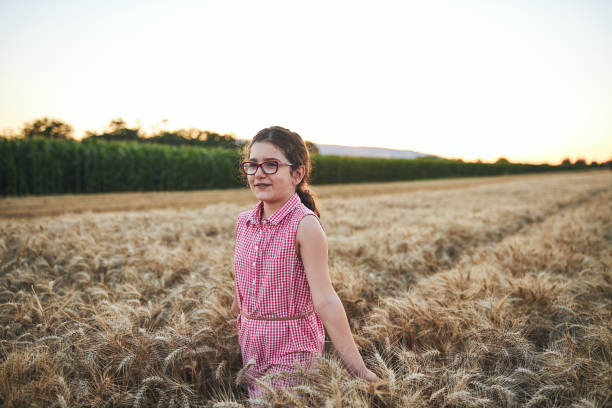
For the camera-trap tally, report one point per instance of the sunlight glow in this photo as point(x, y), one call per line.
point(522, 80)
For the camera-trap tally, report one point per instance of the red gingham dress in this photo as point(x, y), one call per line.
point(271, 282)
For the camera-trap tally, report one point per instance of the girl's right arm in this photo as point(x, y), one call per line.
point(235, 310)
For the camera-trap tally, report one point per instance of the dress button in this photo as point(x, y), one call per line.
point(253, 263)
point(256, 247)
point(253, 281)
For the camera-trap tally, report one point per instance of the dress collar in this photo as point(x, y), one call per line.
point(278, 215)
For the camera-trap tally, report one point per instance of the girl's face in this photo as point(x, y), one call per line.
point(277, 187)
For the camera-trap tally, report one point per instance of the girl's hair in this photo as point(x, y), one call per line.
point(296, 152)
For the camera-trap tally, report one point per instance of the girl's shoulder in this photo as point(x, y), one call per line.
point(301, 214)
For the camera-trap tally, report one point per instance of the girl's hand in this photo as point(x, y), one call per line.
point(369, 376)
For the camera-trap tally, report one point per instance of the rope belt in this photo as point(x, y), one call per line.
point(275, 318)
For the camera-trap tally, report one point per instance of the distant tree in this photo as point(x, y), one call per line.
point(194, 134)
point(580, 164)
point(194, 137)
point(502, 160)
point(312, 148)
point(168, 138)
point(594, 164)
point(566, 163)
point(116, 130)
point(48, 128)
point(216, 140)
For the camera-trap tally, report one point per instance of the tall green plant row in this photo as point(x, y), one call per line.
point(47, 166)
point(345, 169)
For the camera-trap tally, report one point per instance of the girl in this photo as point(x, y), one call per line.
point(284, 294)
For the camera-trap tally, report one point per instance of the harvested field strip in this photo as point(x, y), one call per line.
point(401, 237)
point(492, 295)
point(37, 206)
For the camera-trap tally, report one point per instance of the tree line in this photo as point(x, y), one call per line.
point(118, 131)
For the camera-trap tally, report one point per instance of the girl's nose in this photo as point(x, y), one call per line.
point(260, 171)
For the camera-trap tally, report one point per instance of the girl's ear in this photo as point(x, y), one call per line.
point(298, 174)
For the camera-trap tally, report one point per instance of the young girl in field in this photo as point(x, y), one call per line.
point(284, 295)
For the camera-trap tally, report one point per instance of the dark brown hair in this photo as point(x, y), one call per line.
point(294, 148)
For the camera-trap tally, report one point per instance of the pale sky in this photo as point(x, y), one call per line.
point(527, 80)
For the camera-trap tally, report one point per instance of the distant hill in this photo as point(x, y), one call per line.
point(370, 152)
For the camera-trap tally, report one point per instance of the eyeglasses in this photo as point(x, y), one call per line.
point(268, 167)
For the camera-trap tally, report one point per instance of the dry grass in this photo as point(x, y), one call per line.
point(494, 294)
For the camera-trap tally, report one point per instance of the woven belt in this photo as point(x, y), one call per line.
point(275, 318)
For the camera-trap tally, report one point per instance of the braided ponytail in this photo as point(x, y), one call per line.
point(307, 197)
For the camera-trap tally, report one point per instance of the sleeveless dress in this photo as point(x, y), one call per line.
point(271, 283)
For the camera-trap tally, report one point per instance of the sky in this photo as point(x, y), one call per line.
point(530, 81)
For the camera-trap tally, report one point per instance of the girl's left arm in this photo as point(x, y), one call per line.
point(313, 252)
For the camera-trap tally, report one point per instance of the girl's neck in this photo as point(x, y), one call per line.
point(270, 208)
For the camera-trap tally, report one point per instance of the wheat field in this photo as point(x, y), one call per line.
point(493, 294)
